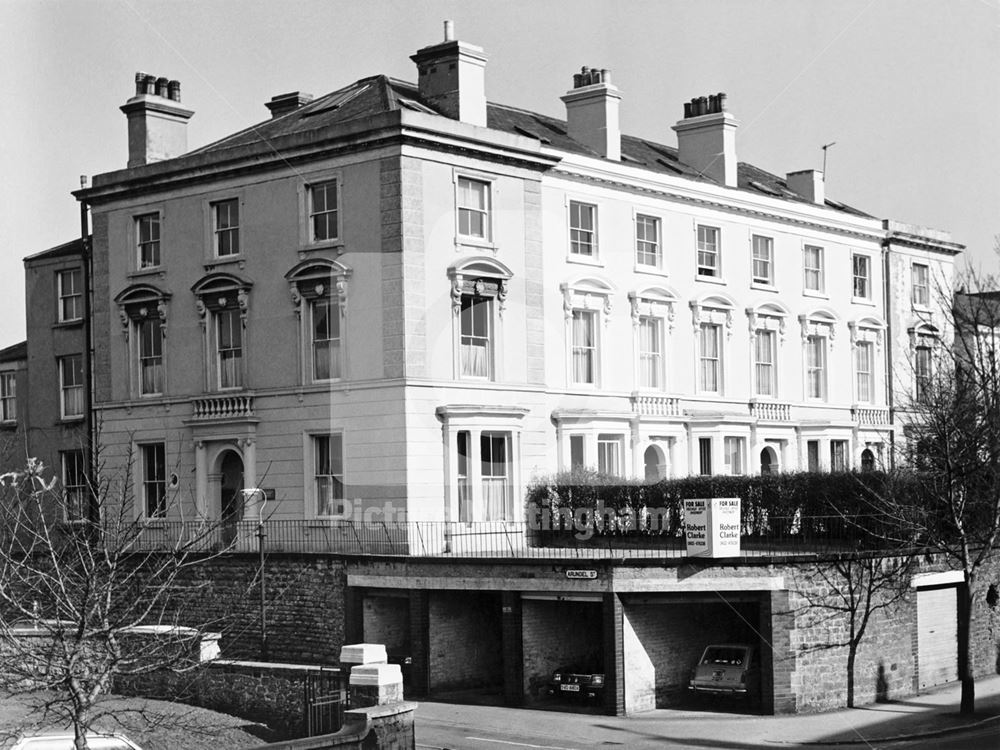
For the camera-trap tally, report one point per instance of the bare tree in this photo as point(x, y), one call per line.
point(946, 489)
point(855, 587)
point(90, 592)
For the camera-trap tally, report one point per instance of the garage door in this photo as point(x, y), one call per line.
point(937, 635)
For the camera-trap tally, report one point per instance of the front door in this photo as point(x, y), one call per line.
point(231, 499)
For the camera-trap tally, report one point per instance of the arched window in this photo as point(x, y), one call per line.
point(479, 288)
point(222, 301)
point(319, 290)
point(867, 460)
point(142, 309)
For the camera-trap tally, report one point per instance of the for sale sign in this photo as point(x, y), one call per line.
point(712, 527)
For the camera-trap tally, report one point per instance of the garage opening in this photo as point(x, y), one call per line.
point(937, 635)
point(563, 647)
point(664, 638)
point(465, 659)
point(386, 620)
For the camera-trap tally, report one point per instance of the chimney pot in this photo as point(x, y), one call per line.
point(157, 130)
point(452, 77)
point(605, 75)
point(449, 31)
point(706, 138)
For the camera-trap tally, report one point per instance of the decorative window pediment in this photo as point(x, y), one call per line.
point(222, 291)
point(480, 276)
point(923, 334)
point(140, 302)
point(654, 301)
point(318, 278)
point(587, 293)
point(819, 322)
point(868, 329)
point(713, 308)
point(768, 316)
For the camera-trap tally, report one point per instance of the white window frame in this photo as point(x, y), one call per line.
point(706, 459)
point(708, 258)
point(651, 360)
point(813, 273)
point(468, 339)
point(151, 481)
point(589, 295)
point(734, 454)
point(154, 244)
point(610, 454)
point(74, 295)
point(230, 230)
point(578, 234)
point(772, 372)
point(8, 396)
point(313, 214)
point(865, 279)
point(920, 288)
point(464, 209)
point(334, 342)
point(71, 390)
point(864, 379)
point(74, 493)
point(923, 353)
point(758, 243)
point(816, 343)
point(476, 481)
point(155, 360)
point(843, 457)
point(235, 315)
point(330, 501)
point(716, 362)
point(645, 248)
point(591, 351)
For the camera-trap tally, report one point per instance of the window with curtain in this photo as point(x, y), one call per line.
point(864, 371)
point(735, 454)
point(476, 345)
point(765, 349)
point(710, 357)
point(494, 454)
point(708, 251)
point(154, 479)
point(813, 267)
point(328, 470)
point(816, 367)
point(325, 315)
point(650, 352)
point(609, 454)
point(473, 208)
point(150, 356)
point(464, 480)
point(584, 346)
point(229, 329)
point(763, 260)
point(71, 385)
point(647, 241)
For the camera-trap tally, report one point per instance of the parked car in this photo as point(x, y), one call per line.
point(66, 742)
point(726, 669)
point(579, 681)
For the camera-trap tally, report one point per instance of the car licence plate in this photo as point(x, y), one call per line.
point(717, 675)
point(570, 688)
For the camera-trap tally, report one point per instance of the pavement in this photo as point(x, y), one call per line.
point(929, 714)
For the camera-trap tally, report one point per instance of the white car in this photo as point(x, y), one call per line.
point(66, 742)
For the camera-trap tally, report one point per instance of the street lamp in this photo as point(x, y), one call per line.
point(261, 536)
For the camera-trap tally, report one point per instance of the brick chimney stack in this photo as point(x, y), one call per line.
point(157, 123)
point(452, 78)
point(592, 112)
point(706, 138)
point(282, 104)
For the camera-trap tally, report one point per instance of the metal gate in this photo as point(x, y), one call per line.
point(325, 699)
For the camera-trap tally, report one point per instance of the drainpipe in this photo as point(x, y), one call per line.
point(88, 355)
point(890, 385)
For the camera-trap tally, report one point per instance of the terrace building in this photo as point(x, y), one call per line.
point(402, 302)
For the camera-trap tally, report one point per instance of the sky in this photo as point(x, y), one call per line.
point(905, 89)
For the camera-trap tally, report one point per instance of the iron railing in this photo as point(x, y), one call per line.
point(585, 538)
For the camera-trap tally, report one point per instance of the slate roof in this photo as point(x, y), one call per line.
point(378, 94)
point(15, 352)
point(71, 248)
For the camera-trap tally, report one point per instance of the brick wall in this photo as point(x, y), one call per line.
point(387, 621)
point(669, 638)
point(986, 622)
point(305, 606)
point(557, 634)
point(465, 640)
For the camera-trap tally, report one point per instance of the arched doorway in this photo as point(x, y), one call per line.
point(230, 494)
point(654, 463)
point(768, 461)
point(867, 460)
